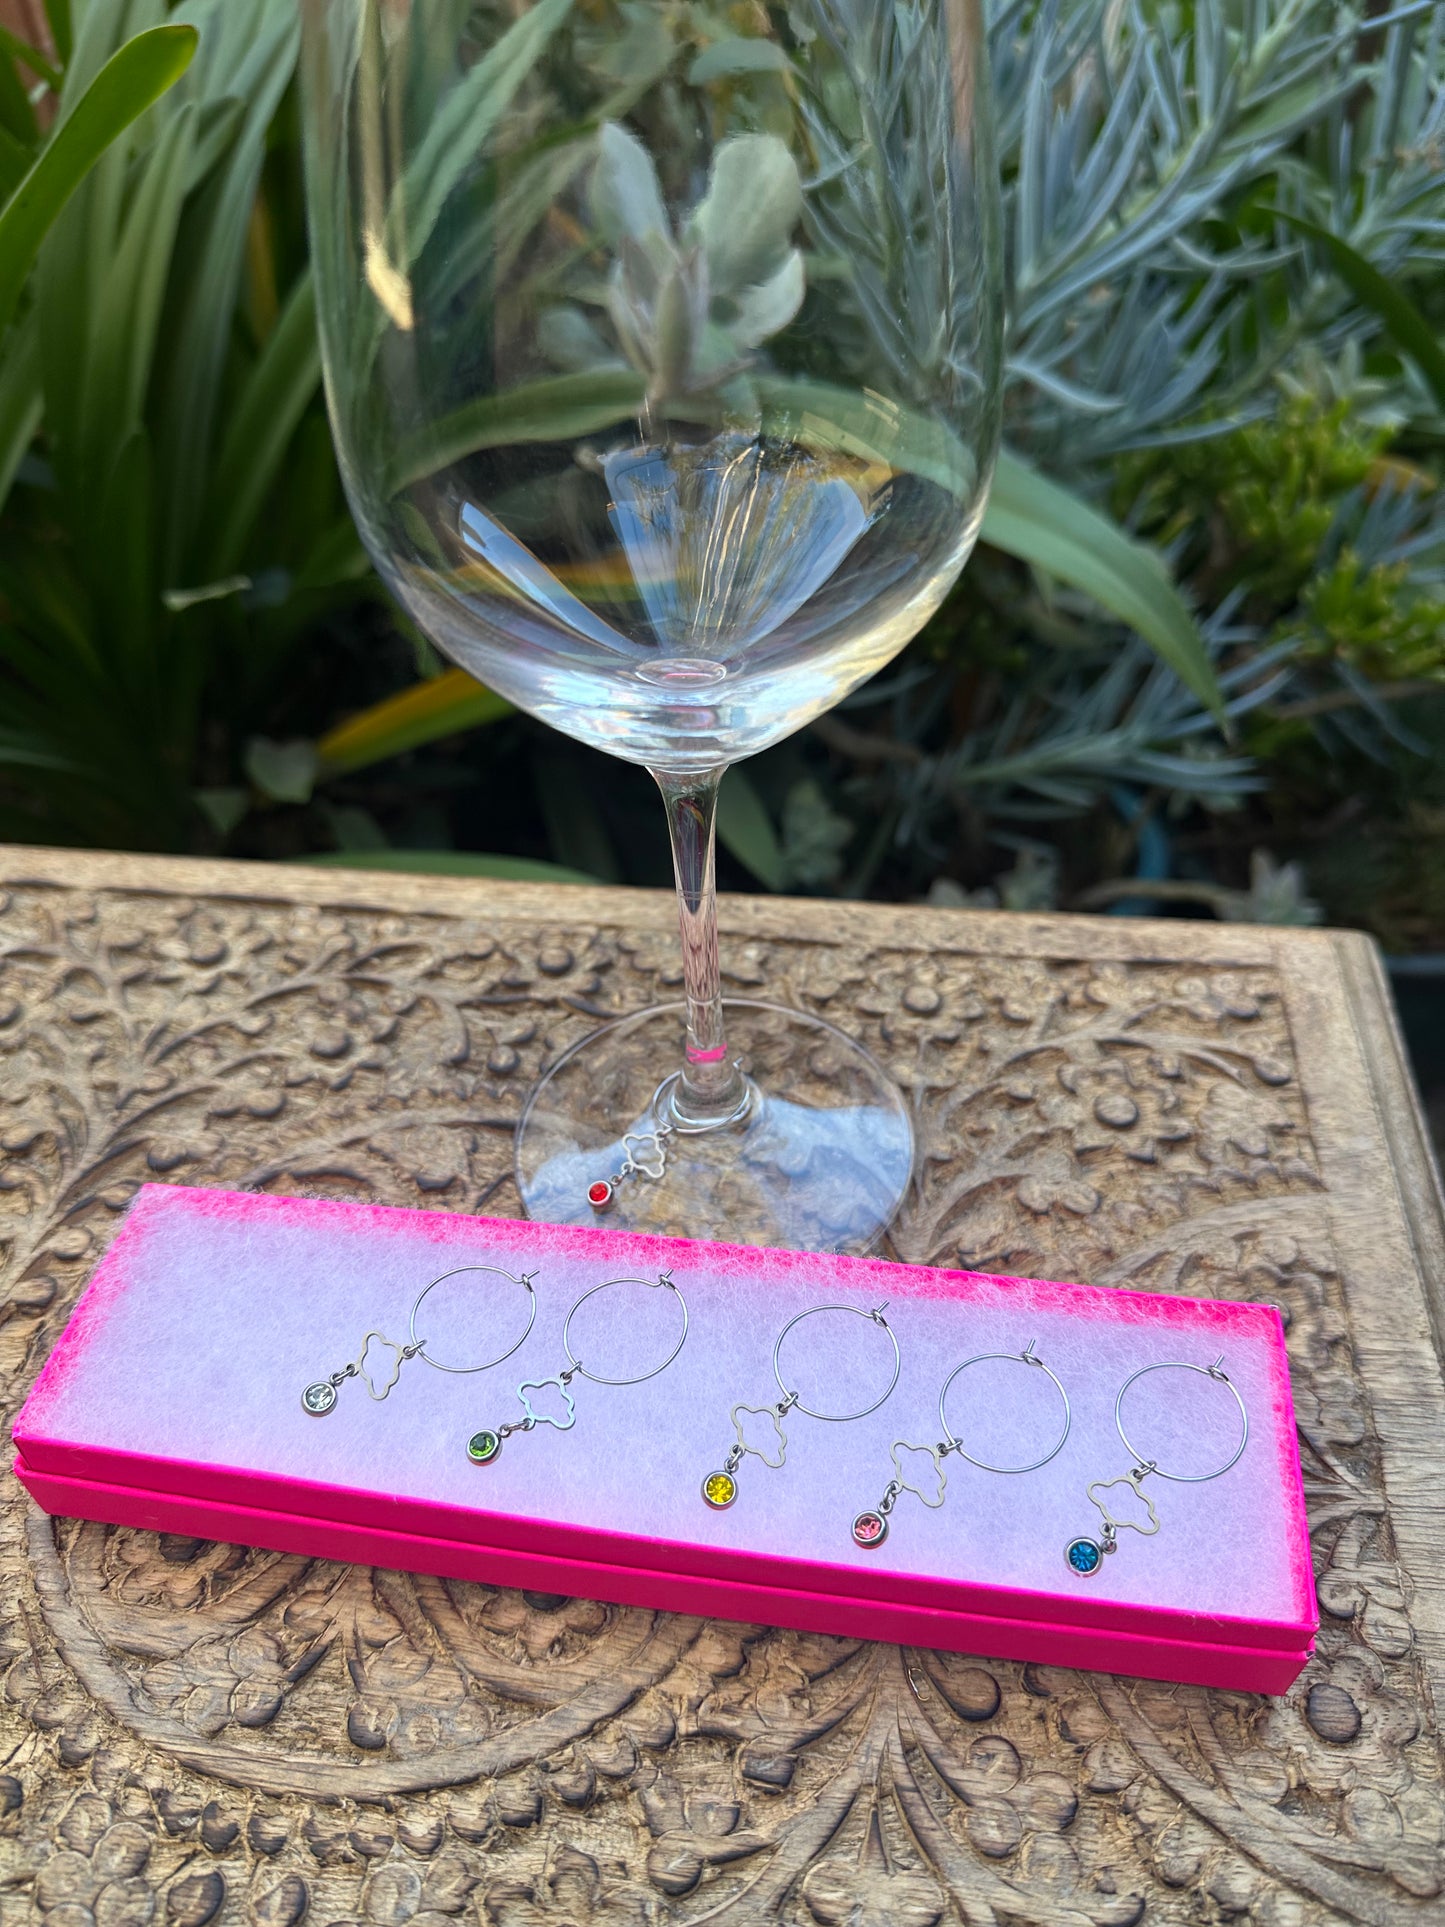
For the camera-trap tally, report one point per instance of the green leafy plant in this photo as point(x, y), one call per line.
point(40, 171)
point(1225, 418)
point(1250, 508)
point(653, 312)
point(452, 863)
point(1402, 319)
point(132, 80)
point(156, 568)
point(178, 519)
point(1226, 259)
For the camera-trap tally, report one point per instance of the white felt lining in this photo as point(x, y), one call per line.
point(202, 1356)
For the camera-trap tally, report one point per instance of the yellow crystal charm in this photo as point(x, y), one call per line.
point(719, 1489)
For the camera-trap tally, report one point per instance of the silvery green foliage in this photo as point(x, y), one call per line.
point(1392, 529)
point(1073, 726)
point(870, 77)
point(687, 305)
point(1382, 153)
point(1127, 139)
point(1386, 529)
point(1143, 311)
point(814, 837)
point(1129, 721)
point(870, 172)
point(1277, 894)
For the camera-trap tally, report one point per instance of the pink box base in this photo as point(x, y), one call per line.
point(89, 1448)
point(1147, 1656)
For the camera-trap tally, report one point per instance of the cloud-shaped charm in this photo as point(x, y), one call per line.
point(644, 1153)
point(918, 1469)
point(773, 1439)
point(1135, 1498)
point(379, 1364)
point(569, 1417)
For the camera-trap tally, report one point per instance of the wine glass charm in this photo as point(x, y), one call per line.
point(378, 1364)
point(644, 1155)
point(929, 1482)
point(484, 1447)
point(1084, 1555)
point(720, 1488)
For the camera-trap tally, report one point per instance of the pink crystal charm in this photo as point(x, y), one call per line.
point(870, 1529)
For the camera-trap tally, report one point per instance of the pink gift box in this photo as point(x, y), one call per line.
point(172, 1402)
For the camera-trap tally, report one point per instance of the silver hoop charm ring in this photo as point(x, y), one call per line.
point(1215, 1371)
point(652, 1284)
point(496, 1271)
point(874, 1317)
point(1025, 1357)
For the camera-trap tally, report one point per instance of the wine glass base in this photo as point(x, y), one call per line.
point(820, 1159)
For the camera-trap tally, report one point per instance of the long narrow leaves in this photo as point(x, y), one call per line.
point(131, 81)
point(421, 714)
point(1033, 518)
point(280, 389)
point(461, 129)
point(451, 863)
point(245, 66)
point(171, 346)
point(21, 406)
point(745, 829)
point(1408, 328)
point(57, 14)
point(557, 408)
point(29, 56)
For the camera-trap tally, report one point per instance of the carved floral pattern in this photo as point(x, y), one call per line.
point(195, 1732)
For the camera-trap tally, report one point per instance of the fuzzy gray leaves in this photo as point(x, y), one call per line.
point(689, 304)
point(753, 203)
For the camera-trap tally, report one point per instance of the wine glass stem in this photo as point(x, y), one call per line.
point(711, 1089)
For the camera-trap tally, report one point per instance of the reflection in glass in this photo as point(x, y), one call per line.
point(663, 350)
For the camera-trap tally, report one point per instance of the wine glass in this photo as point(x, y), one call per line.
point(663, 350)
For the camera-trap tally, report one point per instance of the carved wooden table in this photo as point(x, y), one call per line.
point(194, 1732)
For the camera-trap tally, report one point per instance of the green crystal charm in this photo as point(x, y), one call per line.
point(483, 1447)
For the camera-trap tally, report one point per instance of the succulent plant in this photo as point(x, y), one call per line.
point(687, 304)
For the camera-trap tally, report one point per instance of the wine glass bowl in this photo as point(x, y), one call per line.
point(663, 363)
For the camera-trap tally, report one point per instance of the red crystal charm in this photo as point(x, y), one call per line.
point(600, 1195)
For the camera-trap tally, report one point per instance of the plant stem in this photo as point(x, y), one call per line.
point(1385, 692)
point(711, 1089)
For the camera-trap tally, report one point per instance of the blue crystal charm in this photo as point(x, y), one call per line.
point(1085, 1556)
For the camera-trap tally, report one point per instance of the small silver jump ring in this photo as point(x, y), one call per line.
point(1205, 1371)
point(496, 1271)
point(1017, 1358)
point(837, 1418)
point(652, 1284)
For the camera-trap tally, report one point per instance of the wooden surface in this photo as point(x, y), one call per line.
point(192, 1732)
